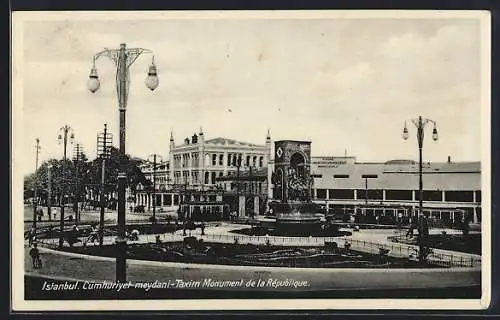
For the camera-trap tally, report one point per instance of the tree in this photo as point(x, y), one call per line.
point(64, 176)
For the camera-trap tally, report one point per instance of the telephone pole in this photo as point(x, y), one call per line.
point(49, 191)
point(104, 143)
point(78, 152)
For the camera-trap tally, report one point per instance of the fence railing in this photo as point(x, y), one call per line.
point(451, 259)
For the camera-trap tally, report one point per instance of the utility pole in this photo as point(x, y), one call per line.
point(154, 159)
point(66, 132)
point(49, 191)
point(76, 199)
point(104, 141)
point(37, 151)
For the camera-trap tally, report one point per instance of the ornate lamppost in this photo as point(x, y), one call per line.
point(123, 58)
point(66, 135)
point(420, 124)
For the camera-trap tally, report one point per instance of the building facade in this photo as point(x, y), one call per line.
point(342, 185)
point(195, 165)
point(346, 186)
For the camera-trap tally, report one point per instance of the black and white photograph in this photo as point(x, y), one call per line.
point(270, 159)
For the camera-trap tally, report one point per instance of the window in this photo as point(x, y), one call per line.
point(176, 199)
point(341, 194)
point(229, 159)
point(167, 199)
point(398, 195)
point(340, 176)
point(254, 161)
point(478, 196)
point(213, 178)
point(458, 196)
point(375, 194)
point(369, 176)
point(248, 161)
point(207, 177)
point(317, 175)
point(211, 198)
point(372, 194)
point(430, 195)
point(261, 162)
point(221, 160)
point(320, 193)
point(214, 159)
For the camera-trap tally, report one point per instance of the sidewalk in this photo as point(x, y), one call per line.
point(73, 267)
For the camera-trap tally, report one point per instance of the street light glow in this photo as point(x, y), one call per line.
point(93, 82)
point(152, 80)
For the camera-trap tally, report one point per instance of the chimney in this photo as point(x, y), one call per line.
point(449, 159)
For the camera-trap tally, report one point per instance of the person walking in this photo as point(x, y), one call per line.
point(35, 256)
point(31, 236)
point(92, 236)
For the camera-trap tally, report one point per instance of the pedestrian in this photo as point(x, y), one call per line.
point(93, 235)
point(73, 236)
point(35, 256)
point(31, 236)
point(134, 235)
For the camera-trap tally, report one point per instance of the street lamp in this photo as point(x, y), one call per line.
point(123, 58)
point(153, 159)
point(37, 148)
point(65, 135)
point(420, 124)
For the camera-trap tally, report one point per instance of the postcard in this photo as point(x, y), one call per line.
point(251, 160)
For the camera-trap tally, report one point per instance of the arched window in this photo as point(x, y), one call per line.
point(254, 161)
point(221, 160)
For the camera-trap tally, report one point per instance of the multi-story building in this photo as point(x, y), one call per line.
point(195, 165)
point(199, 162)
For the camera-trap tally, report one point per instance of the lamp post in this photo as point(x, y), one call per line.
point(65, 134)
point(37, 150)
point(123, 58)
point(420, 124)
point(153, 158)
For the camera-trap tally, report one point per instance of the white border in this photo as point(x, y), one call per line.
point(17, 285)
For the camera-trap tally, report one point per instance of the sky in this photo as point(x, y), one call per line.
point(347, 85)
